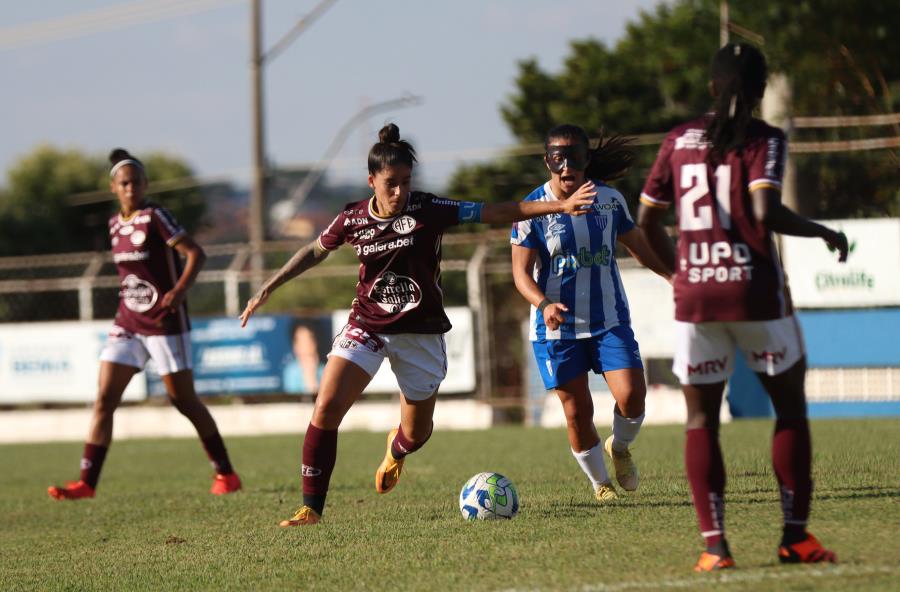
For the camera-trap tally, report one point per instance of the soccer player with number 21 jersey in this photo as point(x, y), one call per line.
point(723, 173)
point(398, 311)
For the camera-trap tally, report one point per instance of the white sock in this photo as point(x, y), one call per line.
point(591, 462)
point(625, 430)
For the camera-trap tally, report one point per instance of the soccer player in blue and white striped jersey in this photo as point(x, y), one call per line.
point(566, 268)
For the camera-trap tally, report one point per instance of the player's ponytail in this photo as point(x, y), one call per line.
point(120, 157)
point(390, 150)
point(739, 79)
point(610, 159)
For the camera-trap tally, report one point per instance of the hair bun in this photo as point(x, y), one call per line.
point(118, 155)
point(389, 134)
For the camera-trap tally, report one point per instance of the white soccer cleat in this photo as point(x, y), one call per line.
point(626, 470)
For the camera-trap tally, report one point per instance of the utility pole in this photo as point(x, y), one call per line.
point(723, 23)
point(257, 220)
point(258, 60)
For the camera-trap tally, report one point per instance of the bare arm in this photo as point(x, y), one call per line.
point(776, 217)
point(650, 222)
point(513, 211)
point(522, 265)
point(194, 260)
point(636, 243)
point(307, 257)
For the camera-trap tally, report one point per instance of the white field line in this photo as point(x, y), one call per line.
point(773, 574)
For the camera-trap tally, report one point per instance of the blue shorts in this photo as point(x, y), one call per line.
point(561, 360)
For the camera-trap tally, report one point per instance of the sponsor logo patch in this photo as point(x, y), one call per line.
point(396, 293)
point(137, 294)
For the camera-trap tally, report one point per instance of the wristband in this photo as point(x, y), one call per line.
point(544, 304)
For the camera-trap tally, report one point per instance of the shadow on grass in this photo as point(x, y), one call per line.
point(583, 509)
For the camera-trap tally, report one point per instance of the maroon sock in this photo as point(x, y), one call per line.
point(706, 474)
point(319, 456)
point(218, 456)
point(792, 460)
point(92, 463)
point(401, 446)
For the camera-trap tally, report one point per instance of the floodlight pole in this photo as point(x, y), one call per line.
point(312, 177)
point(258, 59)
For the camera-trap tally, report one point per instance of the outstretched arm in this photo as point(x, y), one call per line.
point(307, 257)
point(513, 211)
point(775, 216)
point(636, 243)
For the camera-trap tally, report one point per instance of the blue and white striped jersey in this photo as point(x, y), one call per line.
point(576, 264)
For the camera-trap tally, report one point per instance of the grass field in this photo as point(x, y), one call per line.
point(153, 526)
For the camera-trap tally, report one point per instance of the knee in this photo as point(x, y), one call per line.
point(632, 403)
point(701, 420)
point(106, 404)
point(578, 418)
point(184, 404)
point(326, 413)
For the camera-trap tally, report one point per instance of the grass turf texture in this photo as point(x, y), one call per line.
point(153, 526)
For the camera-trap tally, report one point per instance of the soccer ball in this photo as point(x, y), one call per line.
point(488, 496)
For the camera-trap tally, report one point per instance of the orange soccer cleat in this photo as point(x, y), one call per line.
point(710, 562)
point(809, 550)
point(72, 491)
point(388, 474)
point(304, 516)
point(224, 484)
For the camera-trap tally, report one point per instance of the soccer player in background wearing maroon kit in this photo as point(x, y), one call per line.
point(398, 311)
point(723, 173)
point(151, 323)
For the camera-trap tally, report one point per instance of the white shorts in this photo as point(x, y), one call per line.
point(170, 353)
point(419, 361)
point(704, 352)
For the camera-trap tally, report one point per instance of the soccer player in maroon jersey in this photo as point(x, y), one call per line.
point(723, 173)
point(151, 324)
point(398, 311)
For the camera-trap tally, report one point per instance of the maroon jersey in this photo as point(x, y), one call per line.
point(148, 267)
point(399, 288)
point(727, 265)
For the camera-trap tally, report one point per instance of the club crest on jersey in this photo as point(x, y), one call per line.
point(138, 237)
point(396, 293)
point(404, 224)
point(137, 294)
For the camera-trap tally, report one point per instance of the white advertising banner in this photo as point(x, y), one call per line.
point(870, 277)
point(55, 363)
point(460, 355)
point(652, 306)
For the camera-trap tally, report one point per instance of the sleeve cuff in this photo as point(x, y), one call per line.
point(764, 184)
point(654, 203)
point(176, 238)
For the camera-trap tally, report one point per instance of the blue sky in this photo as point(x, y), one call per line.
point(183, 84)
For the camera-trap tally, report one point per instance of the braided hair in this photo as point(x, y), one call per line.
point(609, 160)
point(390, 150)
point(739, 75)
